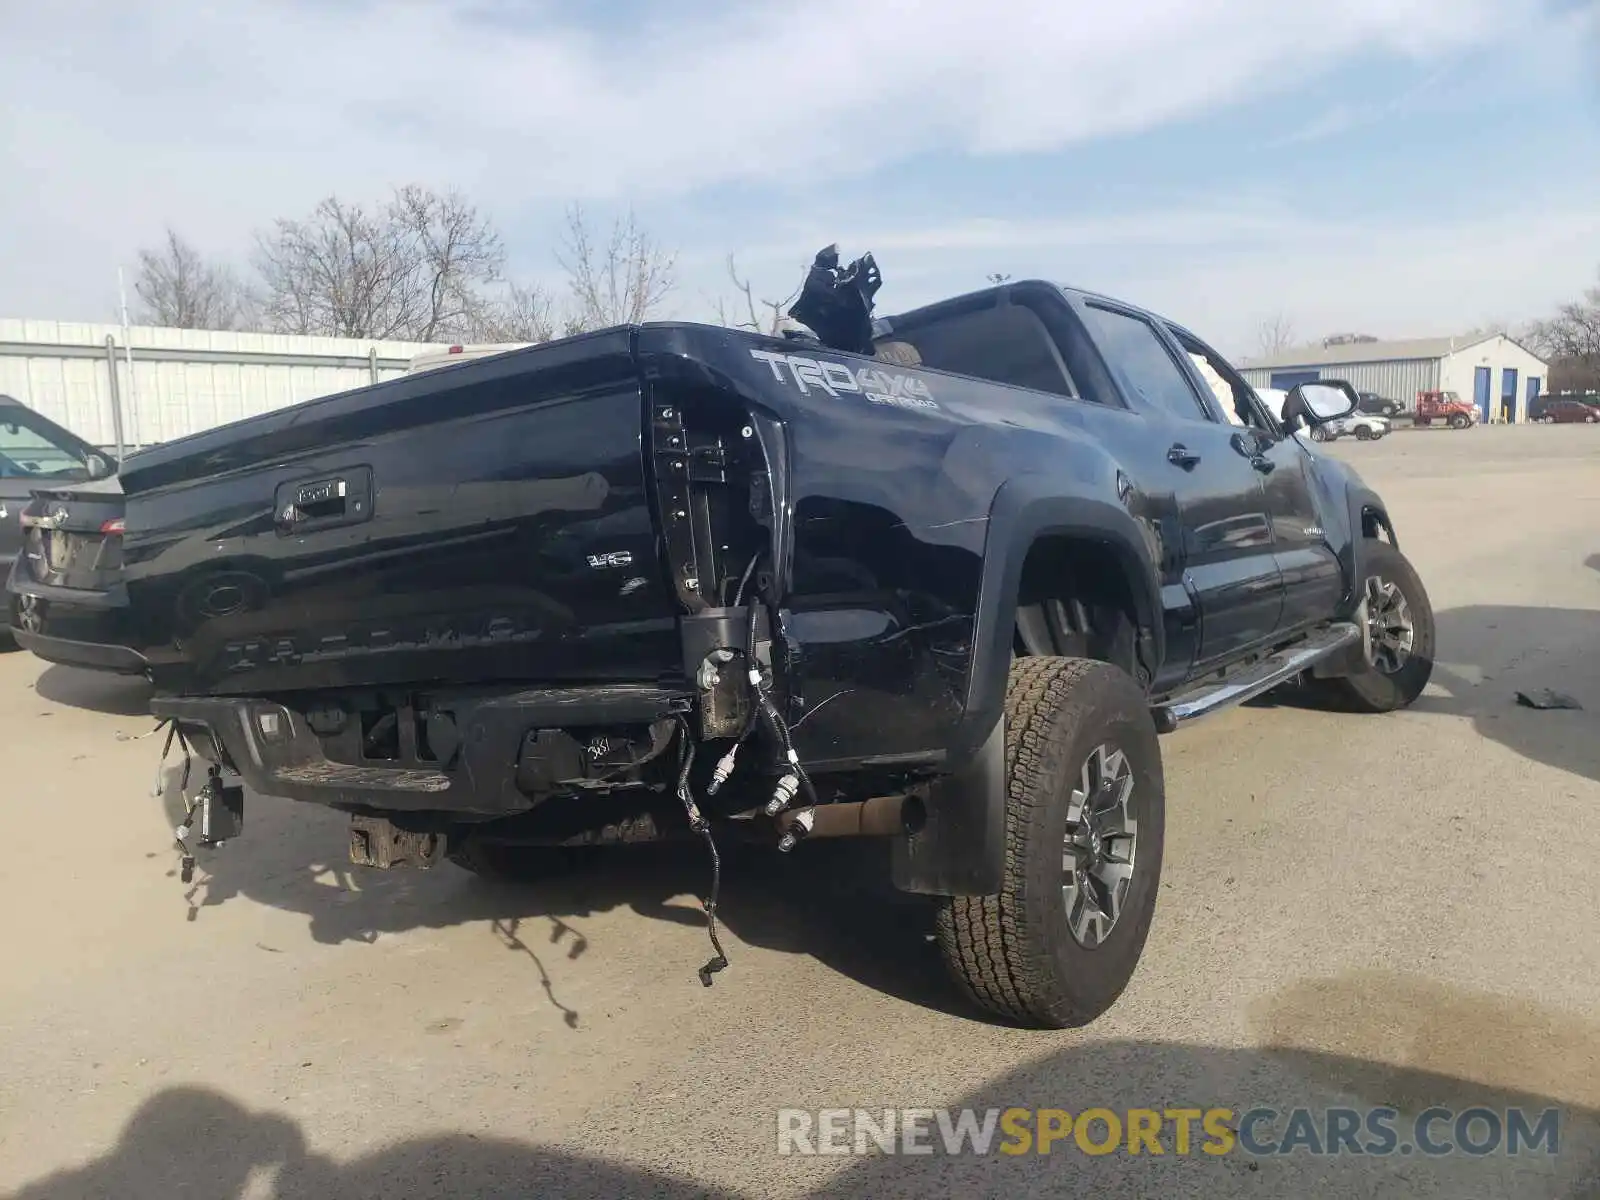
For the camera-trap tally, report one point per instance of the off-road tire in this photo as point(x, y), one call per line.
point(1318, 434)
point(1459, 422)
point(507, 863)
point(1363, 434)
point(1371, 690)
point(1014, 953)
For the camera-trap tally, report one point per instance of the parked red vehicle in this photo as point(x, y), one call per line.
point(1562, 410)
point(1448, 407)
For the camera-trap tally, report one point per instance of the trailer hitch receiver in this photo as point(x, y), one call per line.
point(378, 842)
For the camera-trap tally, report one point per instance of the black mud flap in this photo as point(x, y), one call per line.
point(960, 850)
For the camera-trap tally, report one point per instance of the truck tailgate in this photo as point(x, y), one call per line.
point(483, 522)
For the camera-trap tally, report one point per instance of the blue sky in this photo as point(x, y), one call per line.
point(1401, 167)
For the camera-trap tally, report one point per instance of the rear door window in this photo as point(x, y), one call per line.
point(1132, 343)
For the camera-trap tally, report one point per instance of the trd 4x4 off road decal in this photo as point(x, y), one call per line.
point(878, 386)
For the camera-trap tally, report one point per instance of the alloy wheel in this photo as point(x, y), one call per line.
point(1098, 853)
point(1390, 632)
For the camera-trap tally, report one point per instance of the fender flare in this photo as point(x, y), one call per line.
point(1362, 503)
point(960, 850)
point(1026, 509)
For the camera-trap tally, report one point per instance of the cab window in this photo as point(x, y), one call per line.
point(1003, 344)
point(1236, 398)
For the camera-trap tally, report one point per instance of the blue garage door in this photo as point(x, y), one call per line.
point(1482, 378)
point(1284, 380)
point(1508, 393)
point(1534, 383)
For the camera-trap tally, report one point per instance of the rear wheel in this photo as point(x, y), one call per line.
point(1318, 434)
point(1085, 808)
point(1399, 636)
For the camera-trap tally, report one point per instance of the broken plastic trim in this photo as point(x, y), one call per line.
point(836, 303)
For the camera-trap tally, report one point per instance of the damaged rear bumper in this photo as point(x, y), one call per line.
point(465, 754)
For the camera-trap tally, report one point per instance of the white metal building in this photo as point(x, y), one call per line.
point(183, 380)
point(1493, 371)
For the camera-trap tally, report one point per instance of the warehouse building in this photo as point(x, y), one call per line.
point(1492, 371)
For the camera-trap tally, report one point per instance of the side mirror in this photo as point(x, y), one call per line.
point(1318, 403)
point(98, 467)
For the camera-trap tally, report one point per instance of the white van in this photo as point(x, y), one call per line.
point(430, 359)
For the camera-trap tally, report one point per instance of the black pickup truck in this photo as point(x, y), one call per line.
point(941, 578)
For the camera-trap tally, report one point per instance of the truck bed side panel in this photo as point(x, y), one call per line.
point(891, 475)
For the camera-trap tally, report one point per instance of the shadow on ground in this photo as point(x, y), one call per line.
point(1487, 654)
point(1506, 649)
point(97, 691)
point(829, 900)
point(1356, 1042)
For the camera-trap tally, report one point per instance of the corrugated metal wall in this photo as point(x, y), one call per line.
point(1400, 380)
point(184, 380)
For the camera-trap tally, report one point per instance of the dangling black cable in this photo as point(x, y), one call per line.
point(764, 709)
point(698, 823)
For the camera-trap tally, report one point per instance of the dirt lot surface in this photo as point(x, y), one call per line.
point(1356, 911)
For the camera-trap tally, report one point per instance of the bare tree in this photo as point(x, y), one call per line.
point(412, 269)
point(1275, 335)
point(620, 282)
point(522, 314)
point(997, 277)
point(177, 288)
point(456, 250)
point(1571, 342)
point(1489, 329)
point(759, 316)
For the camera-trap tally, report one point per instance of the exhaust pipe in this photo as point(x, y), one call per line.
point(881, 816)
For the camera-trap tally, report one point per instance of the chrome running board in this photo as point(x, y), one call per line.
point(1276, 668)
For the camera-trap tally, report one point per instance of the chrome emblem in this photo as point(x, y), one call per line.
point(55, 519)
point(28, 614)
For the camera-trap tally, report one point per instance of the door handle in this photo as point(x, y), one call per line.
point(338, 500)
point(1181, 456)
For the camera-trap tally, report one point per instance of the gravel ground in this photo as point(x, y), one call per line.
point(1356, 911)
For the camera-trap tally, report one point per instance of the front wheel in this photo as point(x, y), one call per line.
point(1399, 638)
point(1364, 434)
point(1458, 422)
point(1085, 811)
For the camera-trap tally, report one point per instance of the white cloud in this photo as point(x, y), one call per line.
point(117, 118)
